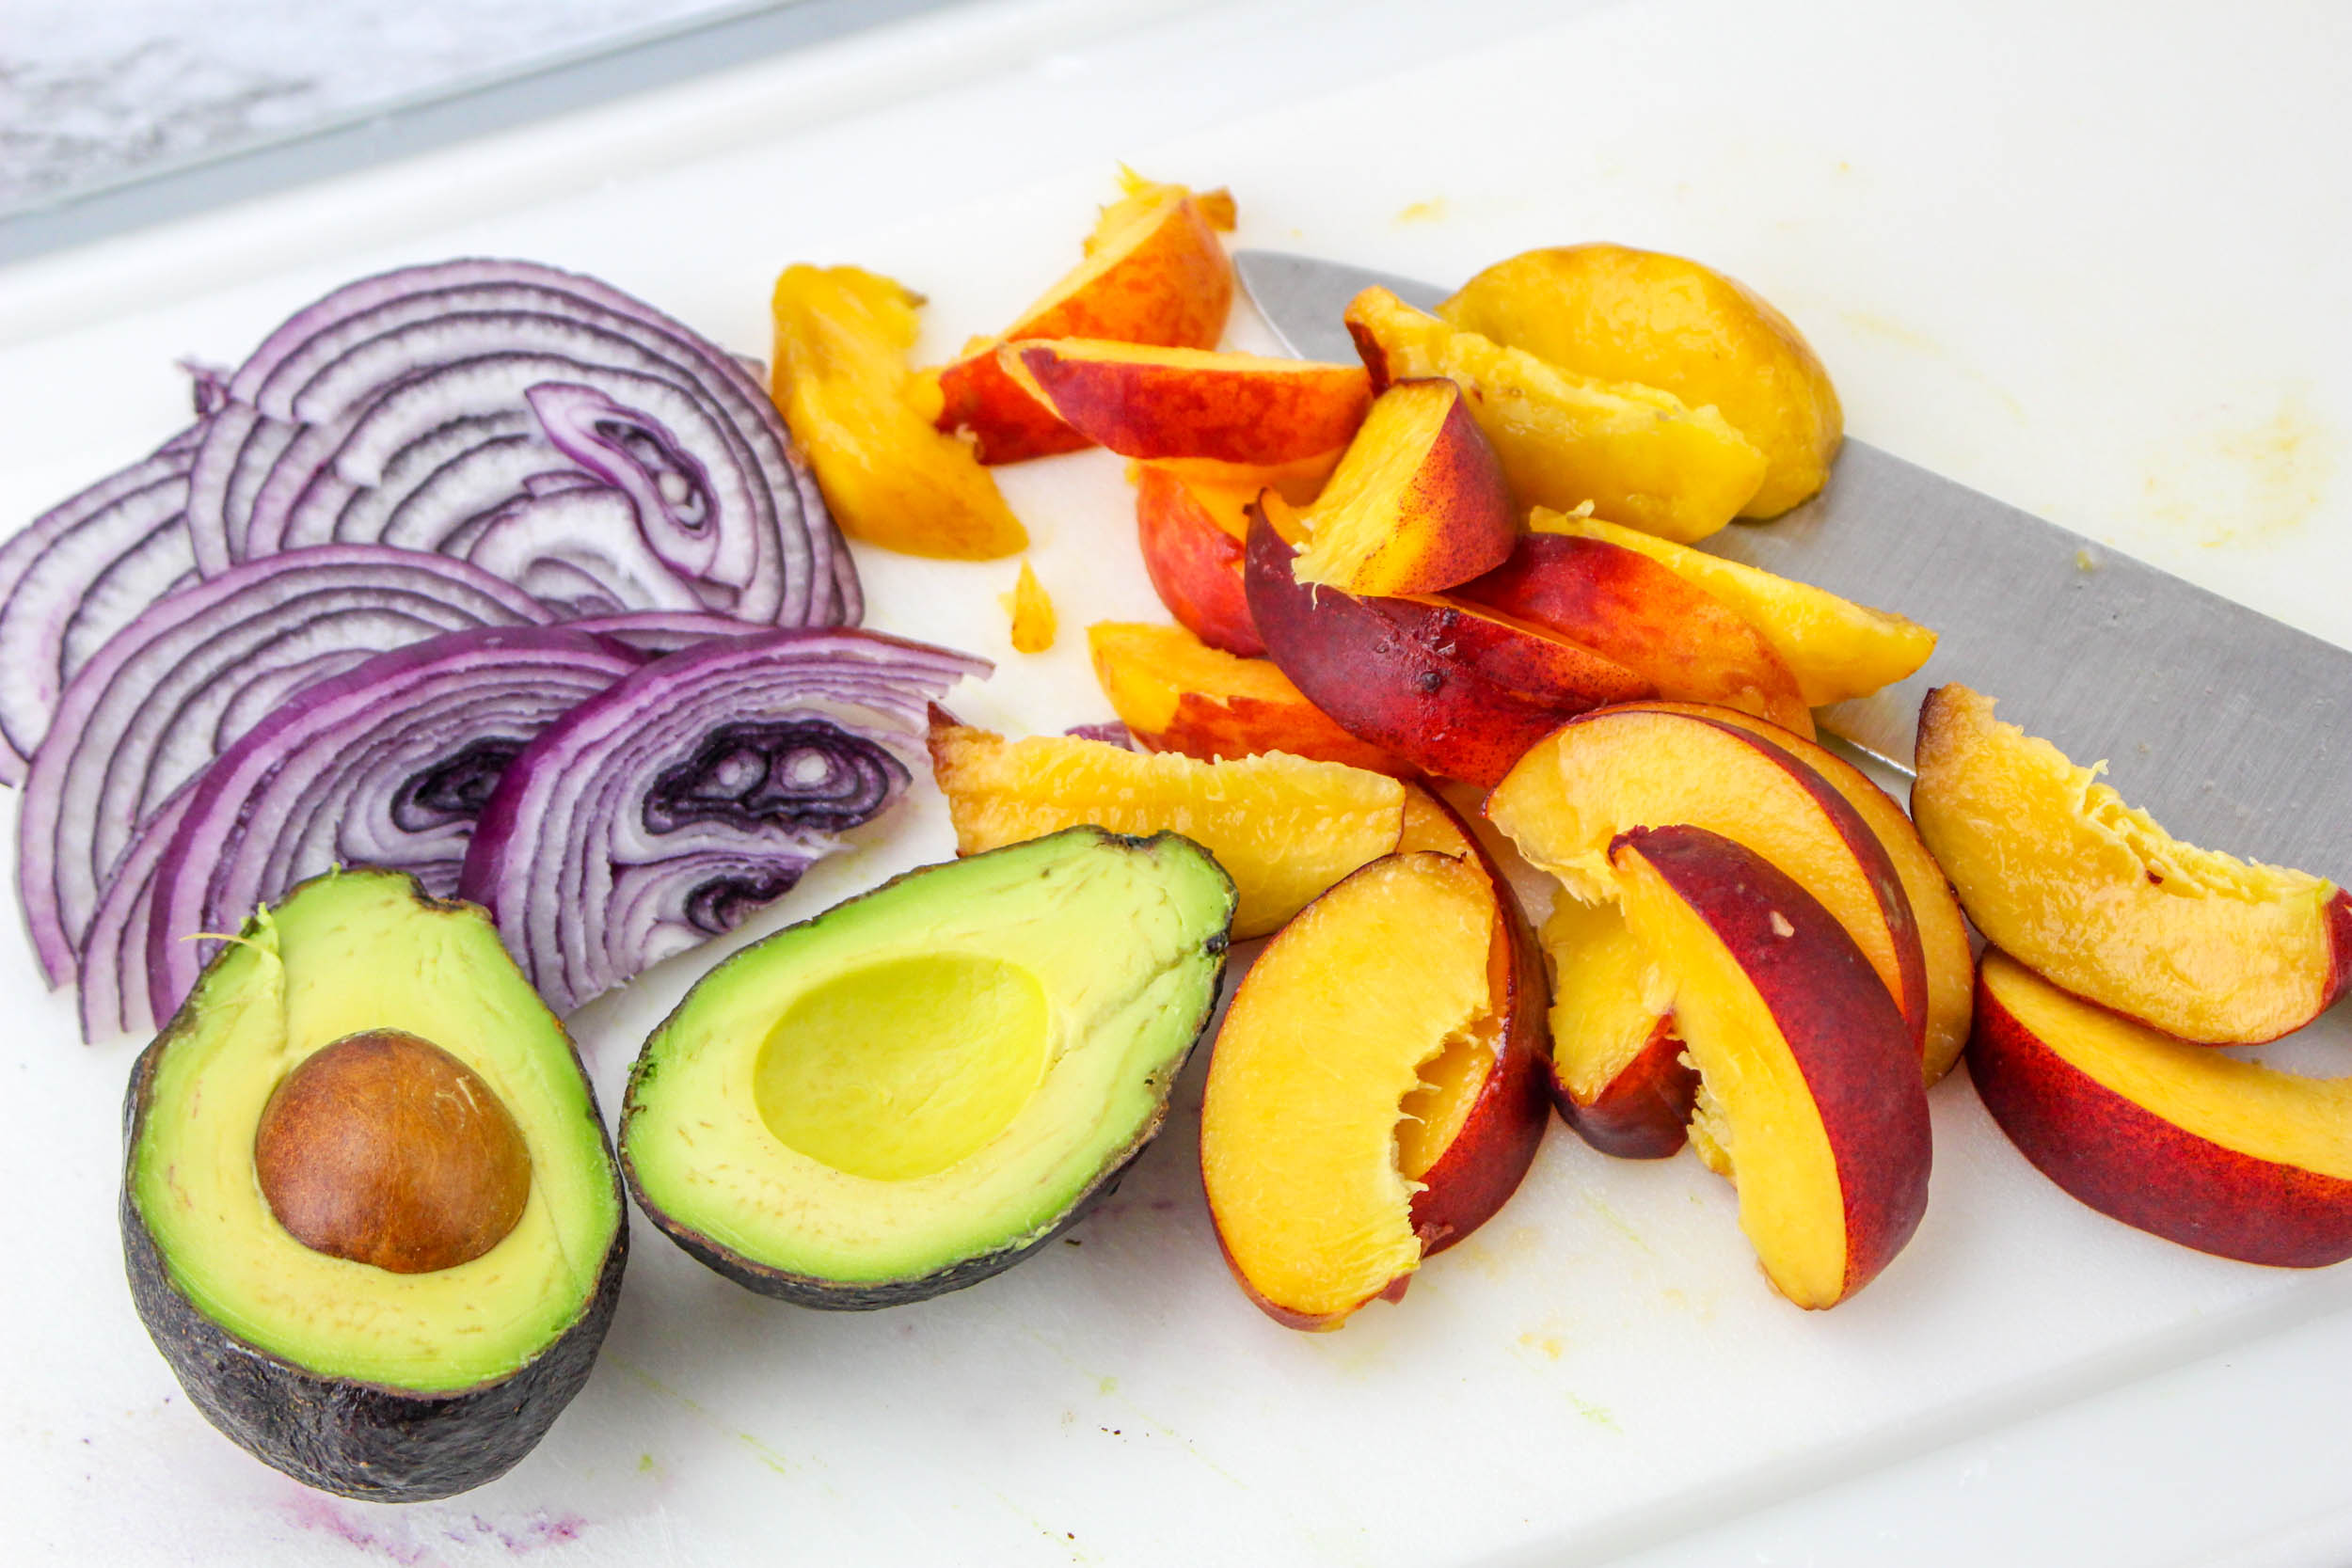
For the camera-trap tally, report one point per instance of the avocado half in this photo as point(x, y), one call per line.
point(388, 1386)
point(918, 1087)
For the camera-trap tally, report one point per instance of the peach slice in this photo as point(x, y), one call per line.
point(1630, 452)
point(1418, 502)
point(1608, 771)
point(1327, 1035)
point(1154, 272)
point(1191, 520)
point(1453, 690)
point(1470, 1132)
point(1283, 827)
point(1656, 623)
point(2191, 1144)
point(2057, 871)
point(1952, 963)
point(1618, 1076)
point(1636, 315)
point(1144, 402)
point(1176, 694)
point(1812, 1076)
point(842, 384)
point(1836, 648)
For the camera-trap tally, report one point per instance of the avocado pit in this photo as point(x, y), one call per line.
point(383, 1148)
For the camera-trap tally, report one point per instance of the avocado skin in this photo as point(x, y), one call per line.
point(357, 1439)
point(867, 1296)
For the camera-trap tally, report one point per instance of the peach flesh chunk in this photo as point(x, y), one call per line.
point(1836, 648)
point(1325, 1037)
point(1604, 772)
point(1815, 1086)
point(1283, 827)
point(842, 384)
point(1146, 401)
point(2192, 1144)
point(1418, 502)
point(1951, 962)
point(1176, 694)
point(1618, 1076)
point(1631, 452)
point(2057, 871)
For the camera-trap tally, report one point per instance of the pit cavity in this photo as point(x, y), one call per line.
point(903, 1067)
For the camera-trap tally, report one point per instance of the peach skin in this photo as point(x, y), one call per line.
point(1176, 694)
point(1152, 402)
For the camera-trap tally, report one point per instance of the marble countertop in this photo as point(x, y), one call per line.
point(94, 92)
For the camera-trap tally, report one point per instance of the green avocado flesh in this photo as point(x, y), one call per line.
point(347, 952)
point(937, 1072)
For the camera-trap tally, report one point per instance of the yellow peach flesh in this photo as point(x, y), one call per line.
point(2057, 871)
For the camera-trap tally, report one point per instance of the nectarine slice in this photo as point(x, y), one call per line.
point(1284, 827)
point(1191, 519)
point(1605, 773)
point(1147, 401)
point(1154, 272)
point(1637, 315)
point(2191, 1144)
point(1656, 623)
point(1952, 963)
point(1454, 689)
point(1418, 502)
point(1836, 648)
point(1469, 1133)
point(1176, 694)
point(2056, 870)
point(1617, 1073)
point(1327, 1036)
point(1631, 452)
point(1812, 1076)
point(842, 384)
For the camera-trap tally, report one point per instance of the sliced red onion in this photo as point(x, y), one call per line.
point(386, 764)
point(661, 812)
point(1111, 732)
point(661, 631)
point(195, 671)
point(466, 407)
point(77, 575)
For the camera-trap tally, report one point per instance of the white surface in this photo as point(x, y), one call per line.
point(2090, 262)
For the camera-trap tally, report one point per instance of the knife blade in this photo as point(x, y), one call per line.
point(2231, 728)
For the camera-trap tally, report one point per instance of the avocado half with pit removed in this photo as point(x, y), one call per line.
point(916, 1088)
point(369, 1209)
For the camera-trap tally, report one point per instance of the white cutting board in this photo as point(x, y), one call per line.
point(2091, 259)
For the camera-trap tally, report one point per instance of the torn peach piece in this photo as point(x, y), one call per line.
point(1154, 403)
point(1154, 272)
point(1325, 1037)
point(2058, 872)
point(1284, 827)
point(1836, 648)
point(1628, 315)
point(1631, 452)
point(1191, 519)
point(843, 387)
point(1176, 694)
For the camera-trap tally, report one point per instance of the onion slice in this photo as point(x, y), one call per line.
point(660, 813)
point(542, 424)
point(194, 672)
point(79, 573)
point(386, 764)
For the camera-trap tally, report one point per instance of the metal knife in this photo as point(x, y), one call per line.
point(2233, 730)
